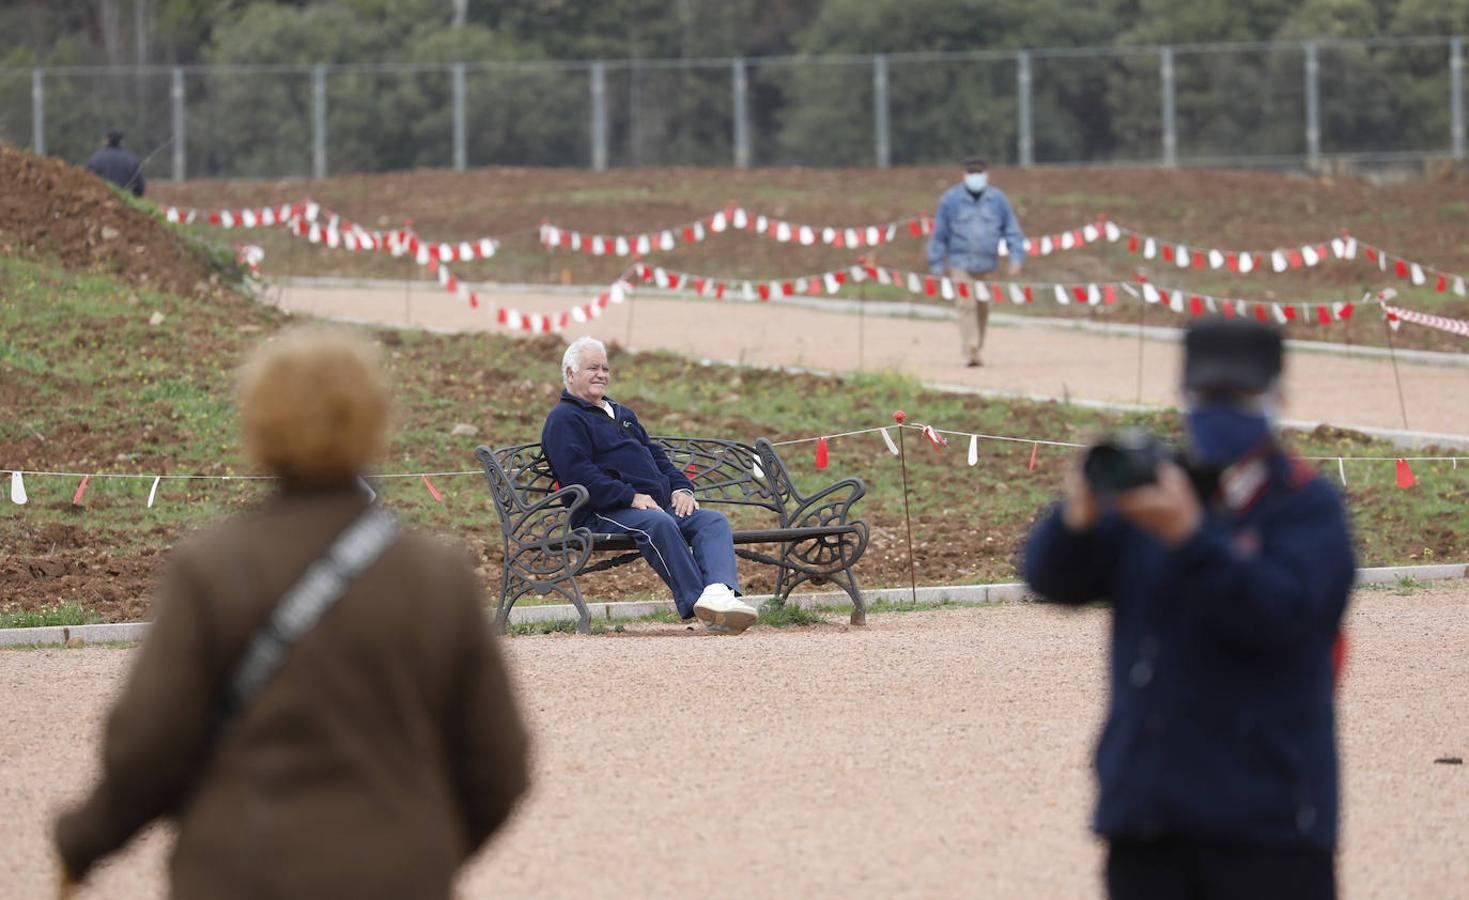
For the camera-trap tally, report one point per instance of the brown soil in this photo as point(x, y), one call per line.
point(1423, 220)
point(53, 211)
point(929, 754)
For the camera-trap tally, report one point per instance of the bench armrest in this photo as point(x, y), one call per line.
point(829, 506)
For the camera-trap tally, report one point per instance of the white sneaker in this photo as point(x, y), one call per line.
point(718, 606)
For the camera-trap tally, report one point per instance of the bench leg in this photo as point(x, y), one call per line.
point(848, 582)
point(514, 587)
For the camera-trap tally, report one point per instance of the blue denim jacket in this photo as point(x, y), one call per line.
point(967, 231)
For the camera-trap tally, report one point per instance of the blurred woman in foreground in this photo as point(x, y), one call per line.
point(358, 739)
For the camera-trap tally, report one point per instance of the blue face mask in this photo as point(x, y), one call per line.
point(976, 181)
point(1220, 434)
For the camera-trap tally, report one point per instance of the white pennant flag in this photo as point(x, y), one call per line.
point(621, 248)
point(1093, 295)
point(914, 285)
point(783, 232)
point(227, 219)
point(1181, 256)
point(1089, 233)
point(1416, 271)
point(1309, 255)
point(1061, 296)
point(644, 246)
point(313, 209)
point(1113, 232)
point(850, 238)
point(247, 218)
point(762, 225)
point(718, 223)
point(1338, 248)
point(873, 237)
point(153, 491)
point(699, 233)
point(1459, 286)
point(747, 291)
point(578, 314)
point(1150, 248)
point(1175, 301)
point(888, 439)
point(828, 235)
point(1279, 313)
point(17, 489)
point(946, 289)
point(1216, 259)
point(1278, 261)
point(1246, 263)
point(666, 240)
point(1005, 247)
point(1068, 241)
point(1351, 248)
point(1016, 294)
point(981, 291)
point(807, 236)
point(660, 277)
point(831, 282)
point(741, 219)
point(973, 449)
point(618, 293)
point(1046, 246)
point(1150, 293)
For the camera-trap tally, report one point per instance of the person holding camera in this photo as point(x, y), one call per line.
point(1228, 569)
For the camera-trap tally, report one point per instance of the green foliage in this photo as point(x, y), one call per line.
point(55, 614)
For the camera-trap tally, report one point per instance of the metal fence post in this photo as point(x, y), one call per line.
point(1456, 95)
point(318, 121)
point(1170, 110)
point(38, 111)
point(180, 137)
point(1024, 128)
point(882, 148)
point(599, 116)
point(1313, 105)
point(461, 156)
point(740, 84)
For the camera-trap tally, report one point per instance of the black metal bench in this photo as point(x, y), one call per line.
point(544, 554)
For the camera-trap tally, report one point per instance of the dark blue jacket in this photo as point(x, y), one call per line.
point(1221, 723)
point(611, 459)
point(119, 166)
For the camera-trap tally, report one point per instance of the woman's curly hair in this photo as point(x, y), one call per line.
point(314, 404)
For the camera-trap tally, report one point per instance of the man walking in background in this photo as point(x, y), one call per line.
point(118, 165)
point(971, 219)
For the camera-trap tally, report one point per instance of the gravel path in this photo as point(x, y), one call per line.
point(1344, 391)
point(927, 754)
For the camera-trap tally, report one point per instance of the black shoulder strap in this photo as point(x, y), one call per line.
point(306, 601)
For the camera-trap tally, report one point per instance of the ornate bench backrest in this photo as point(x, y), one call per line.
point(721, 471)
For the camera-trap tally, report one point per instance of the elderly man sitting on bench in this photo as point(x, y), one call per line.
point(633, 490)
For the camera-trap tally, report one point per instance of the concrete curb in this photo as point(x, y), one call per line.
point(961, 594)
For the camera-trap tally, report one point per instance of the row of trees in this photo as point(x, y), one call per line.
point(1243, 102)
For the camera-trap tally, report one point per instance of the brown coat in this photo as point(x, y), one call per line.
point(384, 751)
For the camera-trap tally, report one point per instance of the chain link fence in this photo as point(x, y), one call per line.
point(1280, 104)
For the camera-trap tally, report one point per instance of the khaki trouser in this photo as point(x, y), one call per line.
point(974, 314)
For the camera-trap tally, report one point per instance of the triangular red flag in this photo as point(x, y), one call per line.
point(76, 499)
point(1443, 284)
point(433, 491)
point(1168, 252)
point(916, 227)
point(1401, 268)
point(930, 286)
point(821, 453)
point(1195, 305)
point(1132, 243)
point(1034, 449)
point(1405, 474)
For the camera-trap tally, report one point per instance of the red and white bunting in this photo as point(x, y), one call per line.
point(1397, 315)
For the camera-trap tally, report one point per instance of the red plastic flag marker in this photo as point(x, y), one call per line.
point(1405, 474)
point(692, 472)
point(1401, 268)
point(1443, 284)
point(821, 459)
point(433, 491)
point(1132, 243)
point(1034, 449)
point(76, 499)
point(934, 437)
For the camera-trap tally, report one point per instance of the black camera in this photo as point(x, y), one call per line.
point(1131, 459)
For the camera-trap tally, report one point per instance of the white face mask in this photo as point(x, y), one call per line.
point(976, 181)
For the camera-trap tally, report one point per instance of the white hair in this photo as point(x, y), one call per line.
point(571, 359)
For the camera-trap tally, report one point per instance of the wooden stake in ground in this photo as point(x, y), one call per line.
point(907, 519)
point(1398, 379)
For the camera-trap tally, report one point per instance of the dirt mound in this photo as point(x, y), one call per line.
point(53, 211)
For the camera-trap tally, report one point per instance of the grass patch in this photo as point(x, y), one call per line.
point(789, 615)
point(45, 616)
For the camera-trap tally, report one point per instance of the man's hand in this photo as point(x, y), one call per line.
point(1168, 510)
point(684, 503)
point(1014, 269)
point(1080, 510)
point(643, 501)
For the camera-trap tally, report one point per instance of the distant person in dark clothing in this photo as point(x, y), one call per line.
point(1217, 766)
point(118, 165)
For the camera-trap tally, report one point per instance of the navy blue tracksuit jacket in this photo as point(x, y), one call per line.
point(612, 459)
point(119, 166)
point(1221, 724)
